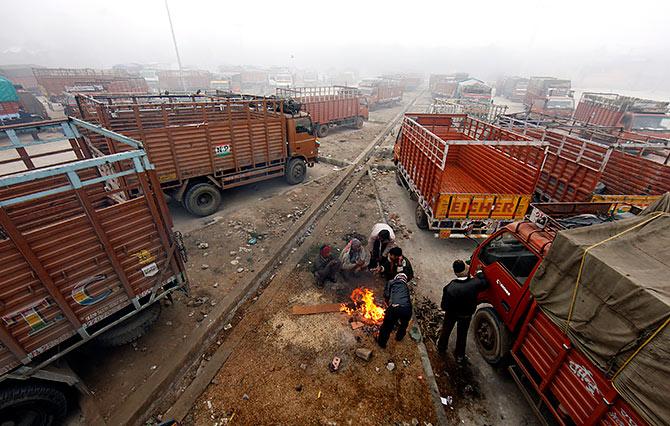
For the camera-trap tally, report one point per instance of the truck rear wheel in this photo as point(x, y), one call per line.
point(296, 171)
point(32, 404)
point(358, 123)
point(492, 337)
point(421, 217)
point(322, 132)
point(131, 329)
point(202, 199)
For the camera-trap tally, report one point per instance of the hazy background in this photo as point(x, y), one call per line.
point(598, 44)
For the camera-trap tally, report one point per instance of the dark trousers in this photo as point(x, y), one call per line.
point(392, 316)
point(328, 271)
point(461, 334)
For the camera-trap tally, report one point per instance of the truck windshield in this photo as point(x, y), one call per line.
point(561, 103)
point(303, 125)
point(656, 122)
point(510, 253)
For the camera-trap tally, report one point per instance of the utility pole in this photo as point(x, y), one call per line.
point(176, 50)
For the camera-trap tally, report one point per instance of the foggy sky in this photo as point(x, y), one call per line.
point(595, 43)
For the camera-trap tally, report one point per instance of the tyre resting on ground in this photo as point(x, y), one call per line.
point(202, 199)
point(131, 329)
point(322, 131)
point(32, 404)
point(296, 170)
point(421, 217)
point(492, 337)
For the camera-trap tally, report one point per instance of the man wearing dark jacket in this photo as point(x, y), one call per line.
point(396, 264)
point(399, 309)
point(459, 301)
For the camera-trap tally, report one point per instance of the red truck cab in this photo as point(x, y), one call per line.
point(561, 384)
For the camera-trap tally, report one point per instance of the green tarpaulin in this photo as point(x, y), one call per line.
point(7, 91)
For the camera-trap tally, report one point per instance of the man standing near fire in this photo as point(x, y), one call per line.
point(459, 301)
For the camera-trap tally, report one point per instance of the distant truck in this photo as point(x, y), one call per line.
point(474, 89)
point(87, 252)
point(380, 93)
point(329, 106)
point(578, 311)
point(549, 96)
point(642, 116)
point(445, 85)
point(469, 177)
point(203, 145)
point(514, 88)
point(18, 106)
point(408, 82)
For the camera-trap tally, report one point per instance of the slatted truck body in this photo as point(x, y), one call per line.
point(329, 106)
point(203, 145)
point(470, 177)
point(86, 242)
point(579, 169)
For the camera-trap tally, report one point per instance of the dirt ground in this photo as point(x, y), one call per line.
point(280, 375)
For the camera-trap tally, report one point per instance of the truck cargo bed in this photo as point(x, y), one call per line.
point(459, 180)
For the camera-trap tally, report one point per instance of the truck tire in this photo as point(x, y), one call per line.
point(296, 171)
point(492, 337)
point(202, 199)
point(322, 131)
point(131, 329)
point(421, 217)
point(32, 404)
point(358, 124)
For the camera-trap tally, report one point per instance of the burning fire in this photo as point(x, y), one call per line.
point(364, 306)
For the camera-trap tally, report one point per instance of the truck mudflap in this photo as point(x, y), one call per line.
point(569, 386)
point(469, 215)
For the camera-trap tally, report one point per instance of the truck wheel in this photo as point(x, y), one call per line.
point(296, 171)
point(32, 404)
point(358, 123)
point(131, 329)
point(202, 199)
point(493, 339)
point(421, 217)
point(322, 132)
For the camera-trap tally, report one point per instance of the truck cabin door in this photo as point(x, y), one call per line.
point(508, 265)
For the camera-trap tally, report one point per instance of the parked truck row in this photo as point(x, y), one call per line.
point(380, 93)
point(459, 86)
point(463, 171)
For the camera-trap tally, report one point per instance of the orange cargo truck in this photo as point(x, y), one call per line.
point(86, 251)
point(203, 145)
point(329, 106)
point(469, 177)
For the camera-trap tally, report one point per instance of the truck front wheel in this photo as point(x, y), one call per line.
point(32, 404)
point(492, 337)
point(322, 131)
point(358, 123)
point(421, 217)
point(296, 171)
point(202, 199)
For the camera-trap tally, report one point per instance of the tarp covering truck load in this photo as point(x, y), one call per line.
point(469, 177)
point(583, 311)
point(203, 145)
point(329, 106)
point(86, 243)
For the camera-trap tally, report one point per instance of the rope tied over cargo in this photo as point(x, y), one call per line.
point(579, 276)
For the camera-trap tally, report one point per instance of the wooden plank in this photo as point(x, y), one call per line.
point(315, 309)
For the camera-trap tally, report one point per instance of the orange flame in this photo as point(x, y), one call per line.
point(364, 306)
